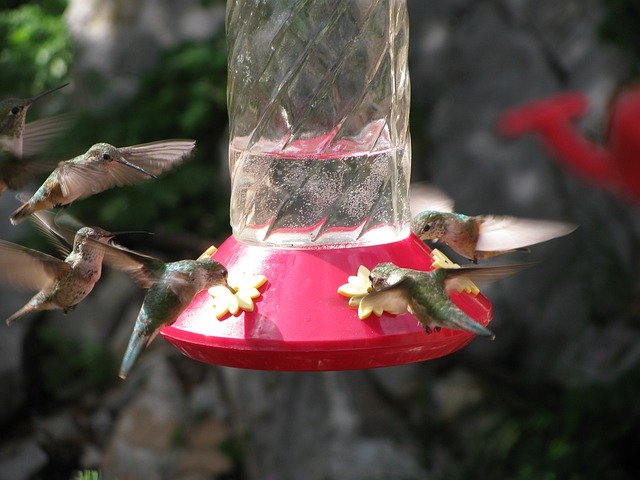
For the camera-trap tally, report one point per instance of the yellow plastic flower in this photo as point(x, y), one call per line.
point(246, 290)
point(208, 252)
point(461, 284)
point(357, 288)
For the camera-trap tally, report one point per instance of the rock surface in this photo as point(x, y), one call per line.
point(565, 323)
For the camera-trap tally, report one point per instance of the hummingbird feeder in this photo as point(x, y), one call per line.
point(615, 166)
point(319, 153)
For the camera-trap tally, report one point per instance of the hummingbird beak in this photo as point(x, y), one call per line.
point(131, 232)
point(46, 92)
point(136, 167)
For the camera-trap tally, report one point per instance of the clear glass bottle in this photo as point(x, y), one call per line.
point(318, 97)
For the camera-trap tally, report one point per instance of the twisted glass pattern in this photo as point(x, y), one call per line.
point(318, 96)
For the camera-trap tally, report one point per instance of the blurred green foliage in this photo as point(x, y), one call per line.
point(581, 432)
point(35, 49)
point(183, 97)
point(65, 368)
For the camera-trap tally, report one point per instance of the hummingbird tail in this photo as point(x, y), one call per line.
point(20, 214)
point(463, 322)
point(137, 343)
point(23, 311)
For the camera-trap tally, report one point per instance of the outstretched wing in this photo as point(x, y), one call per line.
point(485, 274)
point(508, 233)
point(393, 299)
point(145, 270)
point(61, 236)
point(37, 135)
point(155, 157)
point(28, 269)
point(424, 196)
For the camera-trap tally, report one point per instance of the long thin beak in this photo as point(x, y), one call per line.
point(128, 232)
point(136, 167)
point(46, 92)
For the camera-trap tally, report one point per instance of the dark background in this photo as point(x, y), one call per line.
point(554, 397)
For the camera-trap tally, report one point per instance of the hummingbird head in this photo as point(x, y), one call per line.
point(89, 236)
point(105, 153)
point(429, 225)
point(215, 272)
point(383, 275)
point(13, 112)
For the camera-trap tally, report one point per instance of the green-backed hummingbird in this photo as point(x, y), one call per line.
point(424, 293)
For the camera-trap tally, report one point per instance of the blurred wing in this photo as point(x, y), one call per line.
point(17, 172)
point(508, 233)
point(28, 269)
point(78, 180)
point(485, 274)
point(156, 157)
point(393, 299)
point(38, 134)
point(424, 196)
point(45, 222)
point(143, 269)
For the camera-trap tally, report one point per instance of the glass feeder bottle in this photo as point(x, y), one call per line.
point(318, 99)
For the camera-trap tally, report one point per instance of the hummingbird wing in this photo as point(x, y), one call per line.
point(145, 270)
point(393, 299)
point(28, 269)
point(484, 274)
point(49, 223)
point(37, 135)
point(154, 157)
point(508, 233)
point(424, 196)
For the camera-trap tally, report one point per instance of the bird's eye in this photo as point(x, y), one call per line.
point(15, 110)
point(426, 227)
point(106, 156)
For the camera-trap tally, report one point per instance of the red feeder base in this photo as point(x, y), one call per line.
point(301, 323)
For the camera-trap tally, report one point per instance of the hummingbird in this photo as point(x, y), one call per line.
point(424, 294)
point(13, 113)
point(484, 236)
point(61, 284)
point(171, 287)
point(19, 140)
point(103, 166)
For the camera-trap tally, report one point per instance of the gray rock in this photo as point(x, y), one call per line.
point(319, 426)
point(118, 41)
point(143, 440)
point(21, 460)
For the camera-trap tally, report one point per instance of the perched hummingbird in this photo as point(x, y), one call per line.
point(102, 167)
point(424, 294)
point(61, 284)
point(19, 140)
point(171, 286)
point(485, 236)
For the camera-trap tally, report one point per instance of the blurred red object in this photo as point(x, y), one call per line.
point(615, 166)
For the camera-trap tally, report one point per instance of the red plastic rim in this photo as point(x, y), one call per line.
point(301, 323)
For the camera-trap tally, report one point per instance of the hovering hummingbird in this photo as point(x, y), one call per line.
point(102, 167)
point(485, 236)
point(424, 294)
point(61, 284)
point(171, 287)
point(19, 140)
point(13, 113)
